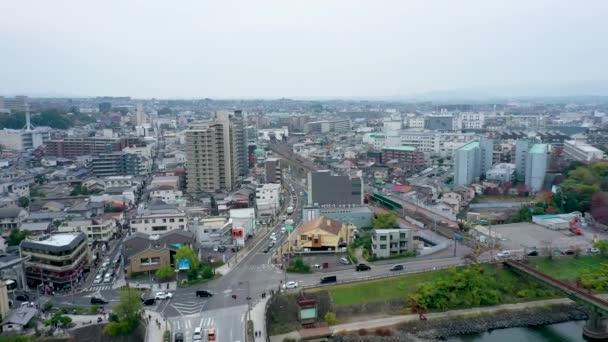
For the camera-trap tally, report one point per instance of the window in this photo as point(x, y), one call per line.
point(402, 236)
point(382, 246)
point(303, 237)
point(181, 220)
point(146, 221)
point(171, 220)
point(156, 260)
point(382, 237)
point(164, 220)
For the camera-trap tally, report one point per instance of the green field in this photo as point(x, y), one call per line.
point(567, 267)
point(378, 290)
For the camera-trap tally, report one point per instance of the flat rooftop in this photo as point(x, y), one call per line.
point(400, 148)
point(538, 148)
point(469, 146)
point(58, 239)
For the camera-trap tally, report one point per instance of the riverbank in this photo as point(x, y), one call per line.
point(455, 324)
point(441, 325)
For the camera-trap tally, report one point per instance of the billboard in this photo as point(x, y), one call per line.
point(308, 314)
point(183, 264)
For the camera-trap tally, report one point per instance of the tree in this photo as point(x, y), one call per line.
point(330, 318)
point(384, 221)
point(164, 273)
point(596, 279)
point(59, 320)
point(523, 215)
point(23, 202)
point(602, 245)
point(186, 252)
point(125, 318)
point(16, 236)
point(599, 207)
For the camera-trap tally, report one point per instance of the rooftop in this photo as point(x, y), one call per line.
point(58, 239)
point(470, 146)
point(538, 148)
point(400, 148)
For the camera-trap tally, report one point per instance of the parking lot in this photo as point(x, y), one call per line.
point(332, 260)
point(516, 236)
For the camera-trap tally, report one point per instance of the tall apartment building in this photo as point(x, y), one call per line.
point(521, 157)
point(467, 164)
point(56, 260)
point(327, 189)
point(140, 115)
point(536, 166)
point(469, 120)
point(216, 153)
point(273, 170)
point(72, 147)
point(16, 104)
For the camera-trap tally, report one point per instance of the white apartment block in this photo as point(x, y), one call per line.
point(416, 122)
point(210, 231)
point(98, 229)
point(166, 195)
point(377, 140)
point(268, 199)
point(391, 242)
point(581, 152)
point(159, 221)
point(469, 120)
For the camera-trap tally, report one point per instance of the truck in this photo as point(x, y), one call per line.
point(290, 210)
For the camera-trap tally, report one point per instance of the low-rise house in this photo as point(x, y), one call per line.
point(19, 319)
point(11, 217)
point(453, 200)
point(391, 242)
point(148, 253)
point(210, 231)
point(36, 228)
point(158, 220)
point(323, 234)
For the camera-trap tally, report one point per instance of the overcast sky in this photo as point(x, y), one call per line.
point(305, 48)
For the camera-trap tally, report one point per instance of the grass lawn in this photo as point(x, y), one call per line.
point(378, 290)
point(567, 267)
point(501, 199)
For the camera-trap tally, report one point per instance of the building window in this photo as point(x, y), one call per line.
point(146, 221)
point(181, 220)
point(304, 237)
point(382, 246)
point(171, 220)
point(155, 260)
point(383, 238)
point(402, 236)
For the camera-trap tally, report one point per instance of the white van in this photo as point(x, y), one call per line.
point(198, 334)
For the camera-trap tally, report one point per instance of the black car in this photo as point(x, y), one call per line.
point(329, 279)
point(148, 301)
point(221, 248)
point(96, 300)
point(179, 337)
point(533, 253)
point(203, 293)
point(22, 297)
point(396, 268)
point(363, 267)
point(267, 249)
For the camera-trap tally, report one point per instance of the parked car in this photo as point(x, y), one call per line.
point(97, 300)
point(362, 267)
point(568, 252)
point(533, 253)
point(178, 337)
point(148, 301)
point(290, 285)
point(198, 334)
point(203, 293)
point(221, 248)
point(97, 280)
point(396, 268)
point(503, 254)
point(267, 249)
point(163, 295)
point(22, 297)
point(316, 266)
point(594, 250)
point(344, 261)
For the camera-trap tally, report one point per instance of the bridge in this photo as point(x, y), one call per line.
point(596, 327)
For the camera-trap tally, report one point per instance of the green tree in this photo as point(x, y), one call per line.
point(299, 266)
point(602, 245)
point(23, 202)
point(596, 279)
point(164, 272)
point(59, 320)
point(207, 272)
point(125, 318)
point(16, 236)
point(186, 252)
point(523, 215)
point(384, 221)
point(330, 318)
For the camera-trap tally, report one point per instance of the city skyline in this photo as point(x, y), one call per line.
point(272, 49)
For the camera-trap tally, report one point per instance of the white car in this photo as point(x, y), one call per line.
point(503, 254)
point(316, 266)
point(97, 280)
point(290, 285)
point(163, 295)
point(594, 250)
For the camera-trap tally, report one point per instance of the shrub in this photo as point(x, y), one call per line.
point(299, 266)
point(362, 332)
point(383, 332)
point(330, 318)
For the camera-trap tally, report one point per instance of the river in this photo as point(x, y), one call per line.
point(562, 332)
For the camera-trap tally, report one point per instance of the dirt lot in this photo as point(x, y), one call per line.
point(516, 236)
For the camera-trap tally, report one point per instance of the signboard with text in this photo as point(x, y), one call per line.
point(183, 264)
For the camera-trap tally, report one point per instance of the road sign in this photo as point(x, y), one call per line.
point(289, 228)
point(183, 264)
point(484, 222)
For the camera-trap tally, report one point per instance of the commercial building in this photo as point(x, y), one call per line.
point(377, 140)
point(56, 260)
point(16, 104)
point(581, 152)
point(101, 228)
point(391, 242)
point(24, 139)
point(536, 167)
point(273, 173)
point(439, 122)
point(243, 224)
point(407, 156)
point(216, 154)
point(272, 134)
point(268, 199)
point(358, 216)
point(326, 126)
point(72, 147)
point(325, 188)
point(323, 234)
point(211, 231)
point(158, 221)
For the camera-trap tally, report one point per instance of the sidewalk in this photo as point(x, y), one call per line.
point(154, 332)
point(258, 316)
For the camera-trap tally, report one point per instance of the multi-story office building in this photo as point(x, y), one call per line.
point(469, 120)
point(327, 189)
point(273, 170)
point(486, 158)
point(467, 164)
point(536, 166)
point(391, 242)
point(407, 156)
point(119, 164)
point(581, 152)
point(326, 126)
point(216, 153)
point(268, 199)
point(23, 140)
point(439, 122)
point(55, 260)
point(97, 229)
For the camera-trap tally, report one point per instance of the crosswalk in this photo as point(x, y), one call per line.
point(260, 267)
point(101, 287)
point(188, 308)
point(190, 323)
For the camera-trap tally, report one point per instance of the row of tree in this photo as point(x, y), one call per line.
point(54, 118)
